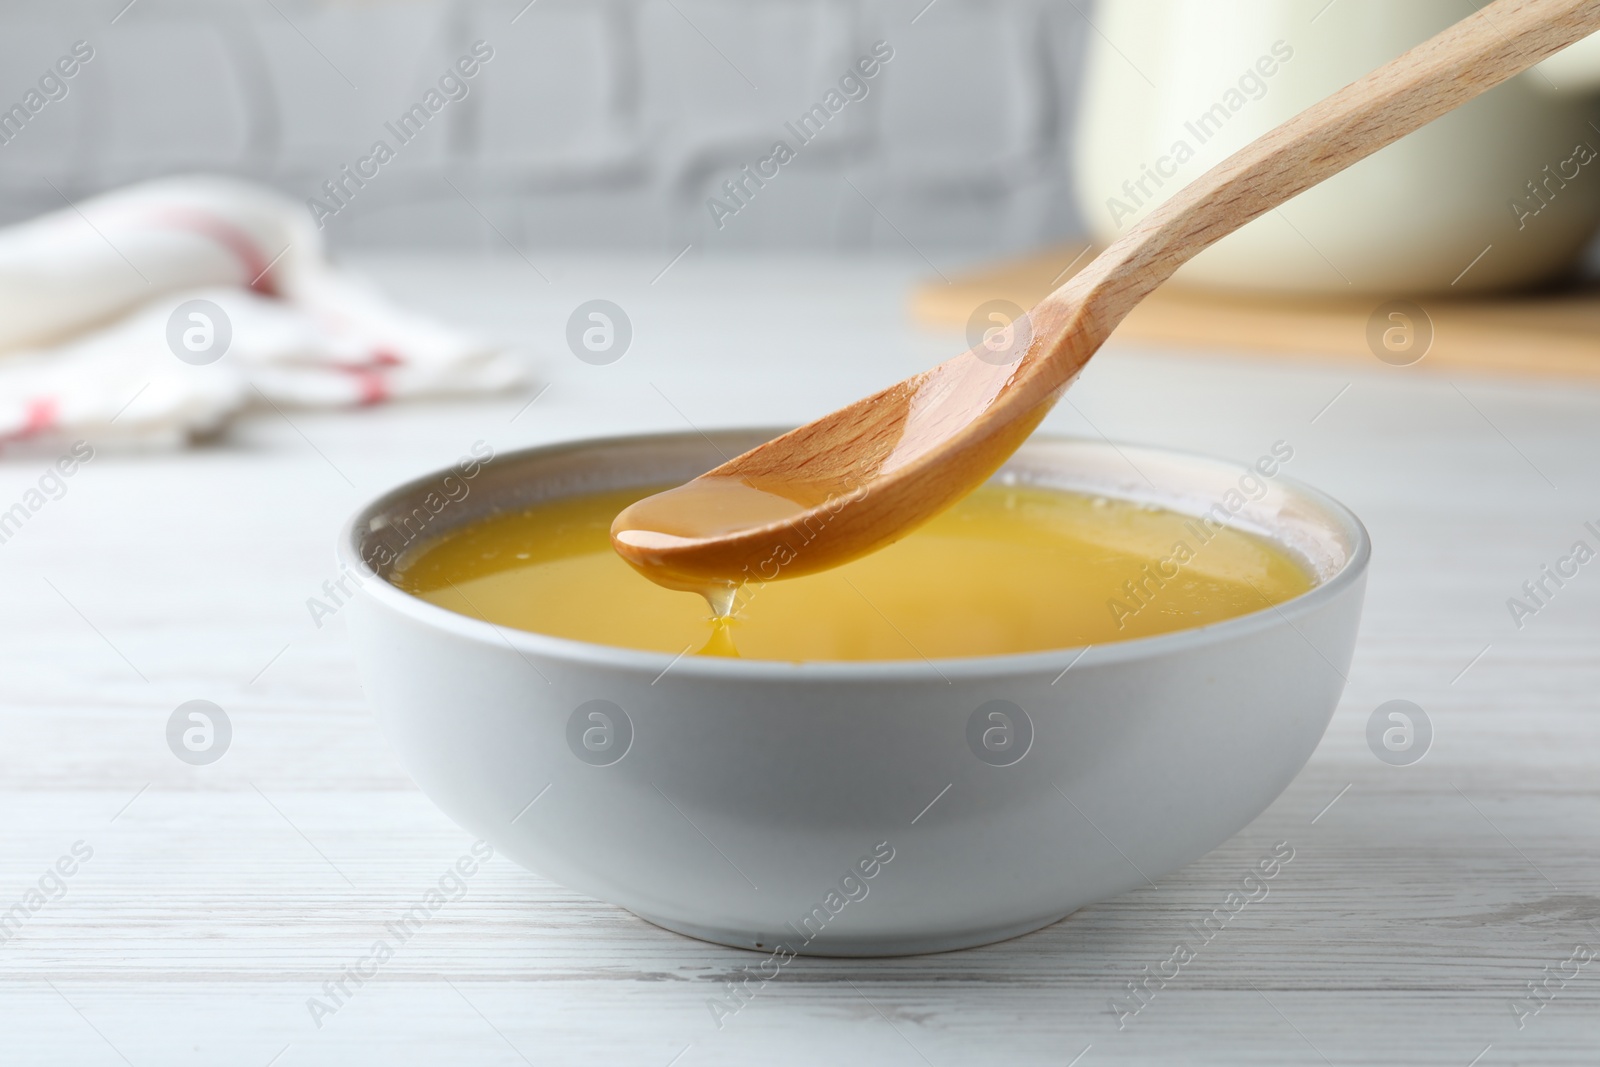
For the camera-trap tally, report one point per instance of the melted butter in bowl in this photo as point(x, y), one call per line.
point(1010, 569)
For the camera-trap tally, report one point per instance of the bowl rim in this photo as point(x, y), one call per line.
point(946, 670)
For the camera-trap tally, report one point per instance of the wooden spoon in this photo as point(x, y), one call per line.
point(868, 474)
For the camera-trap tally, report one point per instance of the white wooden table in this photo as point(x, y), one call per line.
point(1421, 901)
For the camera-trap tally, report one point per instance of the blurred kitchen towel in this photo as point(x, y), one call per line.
point(151, 315)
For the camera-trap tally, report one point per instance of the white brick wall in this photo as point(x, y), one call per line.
point(598, 123)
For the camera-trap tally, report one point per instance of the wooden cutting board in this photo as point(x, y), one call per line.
point(1553, 334)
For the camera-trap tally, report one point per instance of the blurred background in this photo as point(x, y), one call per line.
point(598, 125)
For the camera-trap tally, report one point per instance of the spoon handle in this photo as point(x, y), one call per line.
point(1444, 72)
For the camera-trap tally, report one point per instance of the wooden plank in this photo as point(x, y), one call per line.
point(1546, 334)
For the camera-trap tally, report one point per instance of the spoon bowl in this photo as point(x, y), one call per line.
point(850, 483)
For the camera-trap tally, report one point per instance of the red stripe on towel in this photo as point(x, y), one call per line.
point(369, 375)
point(257, 266)
point(39, 415)
point(374, 389)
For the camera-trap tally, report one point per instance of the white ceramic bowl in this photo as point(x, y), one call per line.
point(854, 809)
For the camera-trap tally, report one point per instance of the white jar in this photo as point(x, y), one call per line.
point(1503, 192)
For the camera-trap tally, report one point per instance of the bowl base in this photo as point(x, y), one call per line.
point(856, 947)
